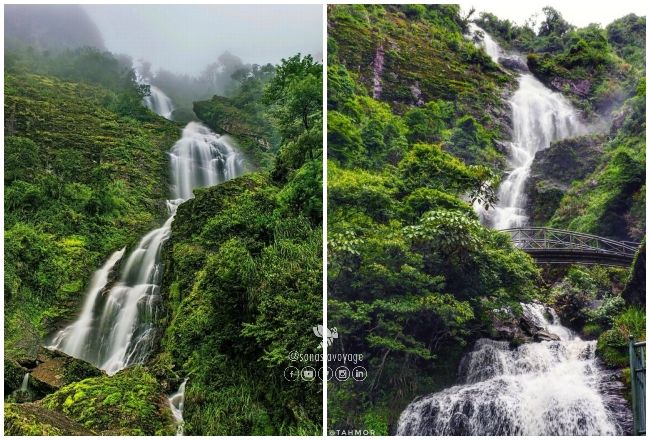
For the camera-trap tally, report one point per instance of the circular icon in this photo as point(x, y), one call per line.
point(308, 374)
point(293, 356)
point(291, 373)
point(359, 373)
point(342, 373)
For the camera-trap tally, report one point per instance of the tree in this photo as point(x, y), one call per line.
point(553, 24)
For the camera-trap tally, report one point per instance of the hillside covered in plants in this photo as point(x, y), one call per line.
point(419, 126)
point(87, 172)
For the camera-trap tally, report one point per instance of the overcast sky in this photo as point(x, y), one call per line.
point(184, 39)
point(579, 13)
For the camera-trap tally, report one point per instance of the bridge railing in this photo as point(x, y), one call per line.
point(536, 238)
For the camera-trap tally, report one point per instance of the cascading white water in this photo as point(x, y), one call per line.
point(117, 329)
point(159, 102)
point(539, 117)
point(74, 338)
point(542, 388)
point(200, 159)
point(25, 383)
point(176, 404)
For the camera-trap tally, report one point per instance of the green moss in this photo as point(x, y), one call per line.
point(613, 345)
point(129, 403)
point(233, 249)
point(32, 419)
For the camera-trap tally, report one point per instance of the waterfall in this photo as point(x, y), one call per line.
point(543, 388)
point(23, 386)
point(118, 328)
point(159, 102)
point(73, 339)
point(539, 117)
point(176, 403)
point(202, 158)
point(555, 387)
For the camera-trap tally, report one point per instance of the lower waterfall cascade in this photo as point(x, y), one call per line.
point(540, 388)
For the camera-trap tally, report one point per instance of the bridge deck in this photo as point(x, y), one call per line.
point(556, 246)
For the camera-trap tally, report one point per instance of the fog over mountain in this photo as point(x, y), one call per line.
point(184, 39)
point(50, 27)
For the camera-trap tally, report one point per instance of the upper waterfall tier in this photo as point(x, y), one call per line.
point(539, 117)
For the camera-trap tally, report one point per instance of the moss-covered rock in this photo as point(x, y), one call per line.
point(33, 419)
point(13, 373)
point(56, 369)
point(129, 403)
point(410, 60)
point(635, 289)
point(242, 289)
point(554, 169)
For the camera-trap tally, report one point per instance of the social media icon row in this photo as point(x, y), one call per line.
point(341, 374)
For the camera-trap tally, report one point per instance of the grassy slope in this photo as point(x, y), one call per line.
point(80, 182)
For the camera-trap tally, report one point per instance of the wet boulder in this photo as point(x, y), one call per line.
point(55, 369)
point(554, 170)
point(513, 63)
point(544, 335)
point(14, 374)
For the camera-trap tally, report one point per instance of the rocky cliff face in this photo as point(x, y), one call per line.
point(554, 169)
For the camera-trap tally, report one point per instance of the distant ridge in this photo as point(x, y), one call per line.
point(50, 27)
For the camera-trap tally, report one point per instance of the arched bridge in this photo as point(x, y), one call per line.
point(556, 246)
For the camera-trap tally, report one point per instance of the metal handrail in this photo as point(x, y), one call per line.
point(549, 238)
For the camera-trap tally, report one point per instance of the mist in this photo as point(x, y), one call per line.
point(184, 39)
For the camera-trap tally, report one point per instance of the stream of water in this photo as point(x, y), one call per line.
point(117, 324)
point(540, 388)
point(176, 404)
point(539, 117)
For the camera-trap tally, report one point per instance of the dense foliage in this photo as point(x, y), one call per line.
point(243, 271)
point(86, 173)
point(81, 181)
point(611, 201)
point(597, 68)
point(412, 273)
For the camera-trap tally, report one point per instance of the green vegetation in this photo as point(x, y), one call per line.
point(86, 172)
point(412, 273)
point(32, 419)
point(596, 68)
point(244, 115)
point(611, 201)
point(130, 403)
point(602, 71)
point(81, 181)
point(243, 271)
